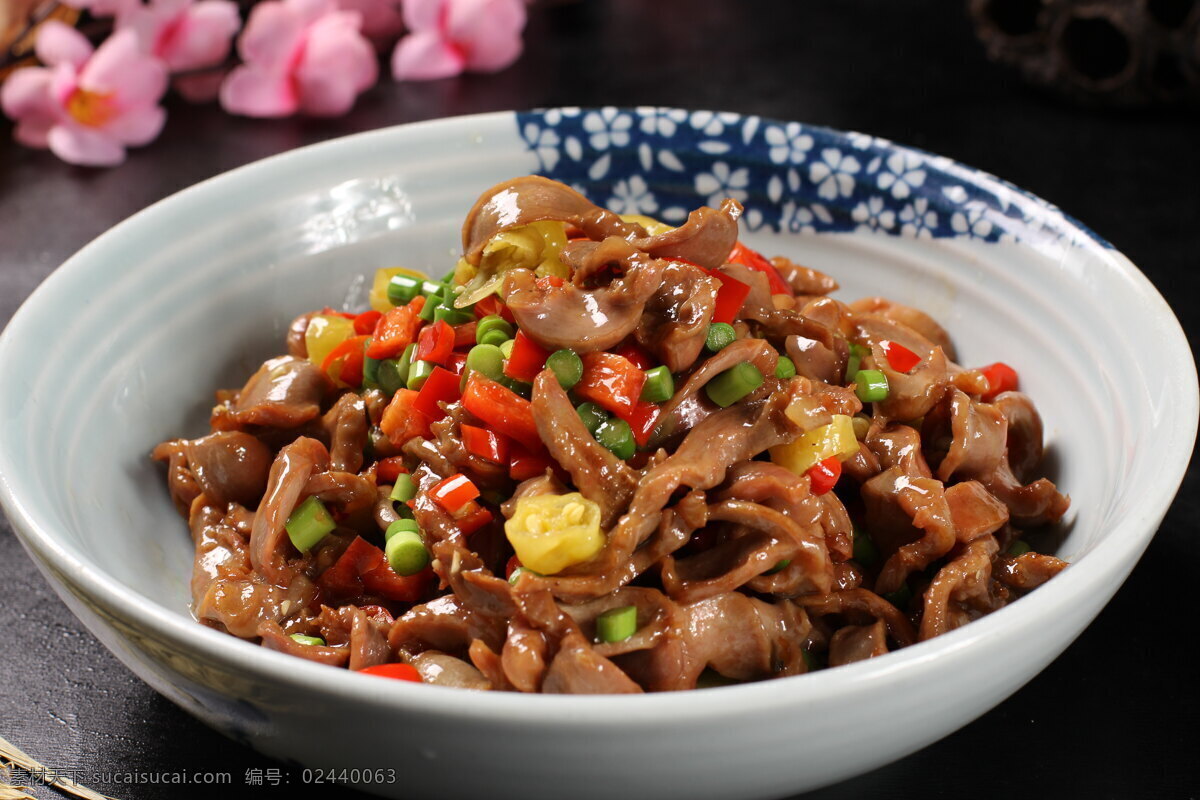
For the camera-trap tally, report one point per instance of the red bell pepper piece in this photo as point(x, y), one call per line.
point(397, 671)
point(642, 420)
point(458, 360)
point(636, 355)
point(899, 357)
point(524, 464)
point(364, 323)
point(511, 567)
point(363, 569)
point(435, 343)
point(485, 444)
point(1001, 378)
point(611, 381)
point(740, 254)
point(401, 419)
point(824, 475)
point(464, 336)
point(349, 354)
point(471, 517)
point(502, 409)
point(731, 296)
point(388, 469)
point(440, 387)
point(397, 330)
point(493, 306)
point(454, 492)
point(527, 360)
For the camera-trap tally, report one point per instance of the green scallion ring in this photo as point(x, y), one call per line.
point(451, 315)
point(307, 640)
point(419, 373)
point(659, 386)
point(406, 552)
point(857, 354)
point(309, 523)
point(506, 347)
point(1019, 547)
point(403, 289)
point(616, 624)
point(493, 329)
point(400, 526)
point(785, 368)
point(733, 384)
point(593, 416)
point(567, 366)
point(486, 359)
point(617, 436)
point(404, 489)
point(720, 335)
point(871, 385)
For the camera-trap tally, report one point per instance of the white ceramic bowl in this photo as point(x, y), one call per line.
point(192, 293)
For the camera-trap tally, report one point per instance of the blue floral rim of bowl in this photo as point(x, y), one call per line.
point(791, 177)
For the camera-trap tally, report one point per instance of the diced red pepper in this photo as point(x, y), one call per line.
point(364, 323)
point(488, 445)
point(636, 354)
point(397, 330)
point(899, 357)
point(493, 306)
point(1001, 378)
point(731, 296)
point(388, 469)
point(548, 281)
point(824, 475)
point(364, 569)
point(642, 420)
point(440, 387)
point(502, 409)
point(524, 464)
point(458, 360)
point(611, 381)
point(401, 419)
point(454, 492)
point(435, 343)
point(464, 336)
point(740, 254)
point(471, 517)
point(527, 359)
point(349, 355)
point(511, 567)
point(398, 671)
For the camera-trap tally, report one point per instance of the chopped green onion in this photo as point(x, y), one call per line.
point(309, 524)
point(370, 371)
point(452, 315)
point(659, 386)
point(419, 373)
point(405, 488)
point(486, 359)
point(617, 436)
point(861, 426)
point(392, 374)
point(593, 416)
point(1019, 547)
point(430, 308)
point(432, 289)
point(871, 385)
point(857, 354)
point(402, 289)
point(733, 384)
point(780, 566)
point(519, 387)
point(308, 640)
point(506, 347)
point(786, 368)
point(493, 329)
point(900, 598)
point(865, 552)
point(400, 526)
point(720, 336)
point(567, 366)
point(516, 573)
point(406, 552)
point(616, 624)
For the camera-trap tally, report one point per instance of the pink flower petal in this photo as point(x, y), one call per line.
point(255, 92)
point(425, 56)
point(336, 48)
point(201, 88)
point(138, 127)
point(90, 147)
point(272, 36)
point(424, 15)
point(27, 96)
point(487, 31)
point(59, 43)
point(311, 10)
point(119, 67)
point(32, 134)
point(493, 53)
point(202, 37)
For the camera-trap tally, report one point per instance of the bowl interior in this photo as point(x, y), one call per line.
point(124, 346)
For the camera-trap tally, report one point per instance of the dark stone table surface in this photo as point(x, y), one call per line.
point(1114, 717)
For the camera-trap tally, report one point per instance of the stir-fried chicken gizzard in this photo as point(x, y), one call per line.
point(607, 455)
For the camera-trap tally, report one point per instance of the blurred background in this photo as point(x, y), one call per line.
point(1090, 105)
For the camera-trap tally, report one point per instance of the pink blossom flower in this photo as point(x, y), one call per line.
point(187, 36)
point(449, 36)
point(86, 106)
point(382, 20)
point(101, 8)
point(299, 55)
